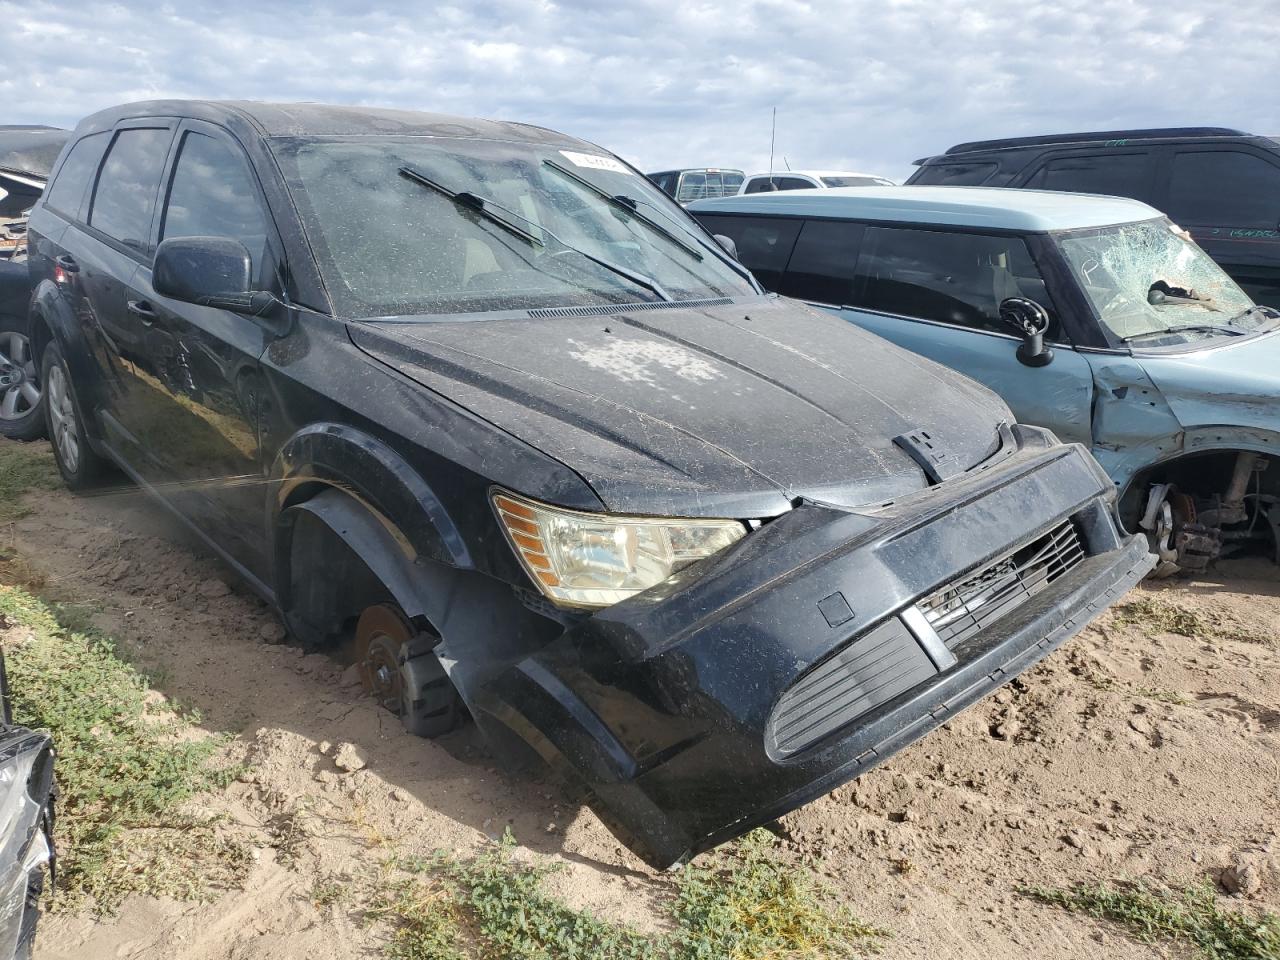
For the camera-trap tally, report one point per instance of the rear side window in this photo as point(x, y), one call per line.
point(764, 243)
point(126, 194)
point(955, 174)
point(66, 193)
point(1224, 188)
point(822, 264)
point(214, 194)
point(955, 278)
point(1113, 174)
point(777, 182)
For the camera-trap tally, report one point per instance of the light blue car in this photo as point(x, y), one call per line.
point(1093, 316)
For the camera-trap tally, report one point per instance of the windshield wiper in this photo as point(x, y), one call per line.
point(1269, 312)
point(1189, 328)
point(627, 205)
point(481, 205)
point(472, 202)
point(632, 202)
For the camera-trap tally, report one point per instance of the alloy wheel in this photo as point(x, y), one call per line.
point(19, 378)
point(62, 416)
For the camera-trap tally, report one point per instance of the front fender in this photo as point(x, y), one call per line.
point(325, 455)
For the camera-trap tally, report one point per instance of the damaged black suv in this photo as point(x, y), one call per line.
point(479, 398)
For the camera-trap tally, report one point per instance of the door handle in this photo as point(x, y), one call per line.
point(143, 310)
point(68, 264)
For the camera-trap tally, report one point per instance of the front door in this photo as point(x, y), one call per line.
point(204, 360)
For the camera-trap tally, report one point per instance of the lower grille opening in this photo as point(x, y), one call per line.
point(966, 607)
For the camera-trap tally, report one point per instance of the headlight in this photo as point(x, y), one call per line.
point(595, 559)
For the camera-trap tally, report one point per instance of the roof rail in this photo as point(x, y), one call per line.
point(1149, 134)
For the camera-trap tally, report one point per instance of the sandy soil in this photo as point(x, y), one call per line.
point(1130, 752)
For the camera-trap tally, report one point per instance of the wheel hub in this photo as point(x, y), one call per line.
point(380, 638)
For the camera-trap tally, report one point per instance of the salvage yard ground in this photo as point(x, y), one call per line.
point(245, 801)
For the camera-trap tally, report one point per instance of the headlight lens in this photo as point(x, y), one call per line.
point(595, 559)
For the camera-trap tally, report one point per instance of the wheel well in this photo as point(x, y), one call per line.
point(41, 334)
point(1200, 474)
point(329, 585)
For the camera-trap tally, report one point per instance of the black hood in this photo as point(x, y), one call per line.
point(731, 410)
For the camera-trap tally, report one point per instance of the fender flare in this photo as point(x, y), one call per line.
point(1125, 465)
point(330, 455)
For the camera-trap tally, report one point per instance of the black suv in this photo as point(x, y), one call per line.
point(1222, 185)
point(480, 398)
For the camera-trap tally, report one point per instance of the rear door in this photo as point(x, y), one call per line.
point(937, 293)
point(97, 260)
point(205, 360)
point(1228, 197)
point(1119, 171)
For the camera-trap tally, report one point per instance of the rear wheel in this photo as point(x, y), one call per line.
point(401, 671)
point(80, 467)
point(21, 398)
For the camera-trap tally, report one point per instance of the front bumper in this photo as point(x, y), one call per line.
point(666, 705)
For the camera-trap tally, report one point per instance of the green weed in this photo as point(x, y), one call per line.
point(127, 766)
point(1191, 915)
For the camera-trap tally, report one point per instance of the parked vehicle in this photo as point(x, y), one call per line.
point(1222, 185)
point(482, 400)
point(698, 183)
point(810, 180)
point(1092, 316)
point(27, 154)
point(26, 827)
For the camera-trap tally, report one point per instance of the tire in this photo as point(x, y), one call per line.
point(22, 415)
point(400, 669)
point(80, 466)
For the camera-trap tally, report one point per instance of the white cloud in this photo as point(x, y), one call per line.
point(858, 84)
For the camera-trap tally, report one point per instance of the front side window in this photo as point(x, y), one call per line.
point(526, 226)
point(764, 243)
point(213, 194)
point(125, 196)
point(1224, 188)
point(1148, 278)
point(1111, 174)
point(68, 189)
point(956, 278)
point(822, 265)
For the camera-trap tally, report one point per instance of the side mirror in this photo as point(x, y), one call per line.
point(1032, 322)
point(730, 247)
point(209, 272)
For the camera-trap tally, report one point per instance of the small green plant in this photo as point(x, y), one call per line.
point(127, 765)
point(745, 905)
point(23, 467)
point(329, 890)
point(1153, 612)
point(1190, 915)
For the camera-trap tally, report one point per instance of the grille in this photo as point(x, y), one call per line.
point(868, 672)
point(965, 607)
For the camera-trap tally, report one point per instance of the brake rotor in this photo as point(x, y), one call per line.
point(381, 635)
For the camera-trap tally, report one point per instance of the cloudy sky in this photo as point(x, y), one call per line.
point(859, 84)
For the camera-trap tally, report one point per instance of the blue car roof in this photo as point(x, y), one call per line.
point(999, 208)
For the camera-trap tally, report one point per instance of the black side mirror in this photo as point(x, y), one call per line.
point(209, 272)
point(730, 247)
point(1032, 322)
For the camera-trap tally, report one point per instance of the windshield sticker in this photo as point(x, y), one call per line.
point(593, 162)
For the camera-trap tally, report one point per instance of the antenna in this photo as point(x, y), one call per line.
point(787, 162)
point(773, 137)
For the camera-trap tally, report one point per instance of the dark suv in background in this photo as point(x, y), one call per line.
point(1222, 185)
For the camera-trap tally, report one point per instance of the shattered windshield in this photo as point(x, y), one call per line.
point(1148, 278)
point(427, 225)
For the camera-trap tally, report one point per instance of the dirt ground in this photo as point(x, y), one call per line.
point(1131, 752)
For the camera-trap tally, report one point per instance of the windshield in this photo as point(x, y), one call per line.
point(1148, 278)
point(483, 225)
point(857, 182)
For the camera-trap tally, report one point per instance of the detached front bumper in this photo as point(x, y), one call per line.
point(820, 645)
